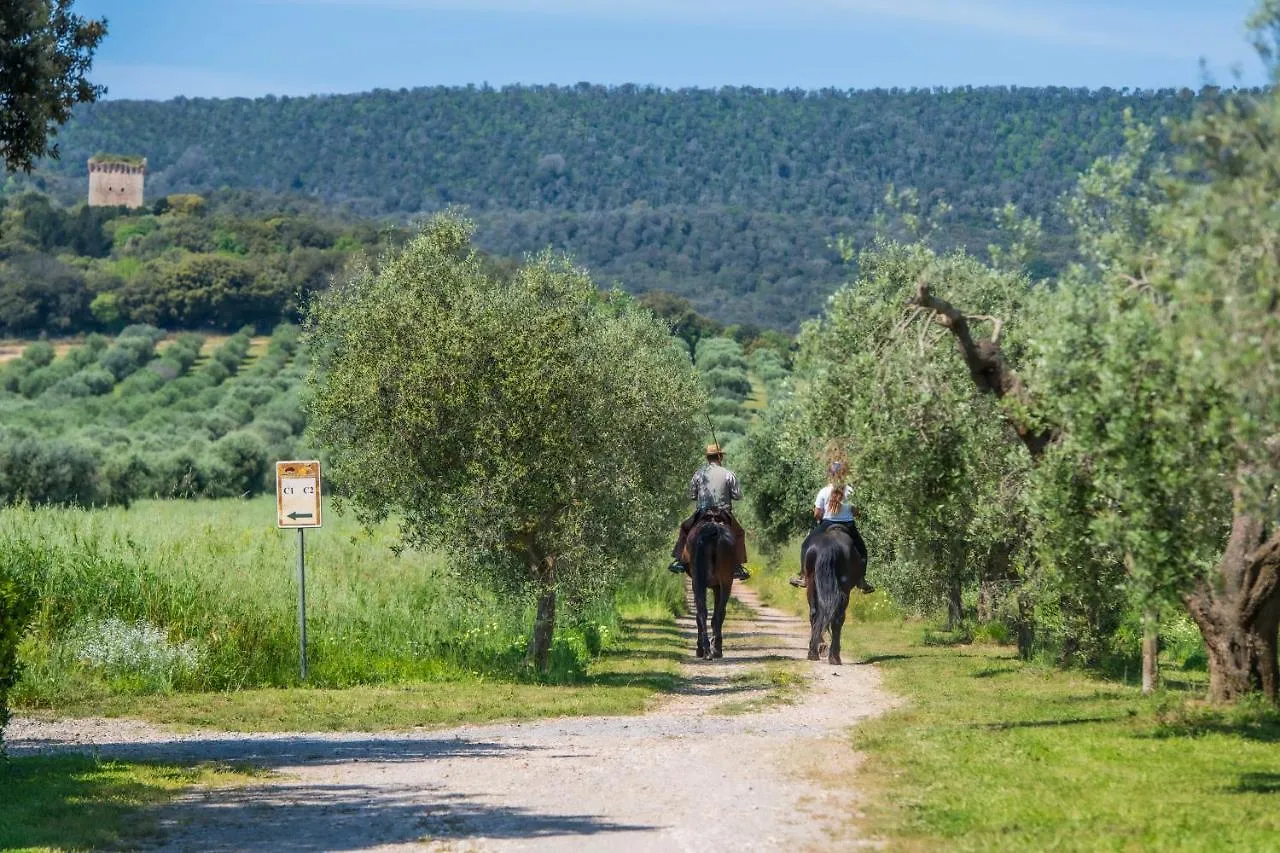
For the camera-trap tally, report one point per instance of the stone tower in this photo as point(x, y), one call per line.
point(116, 181)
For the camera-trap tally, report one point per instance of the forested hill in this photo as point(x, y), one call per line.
point(727, 196)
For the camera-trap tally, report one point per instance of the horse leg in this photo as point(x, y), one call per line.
point(833, 656)
point(700, 617)
point(815, 630)
point(717, 621)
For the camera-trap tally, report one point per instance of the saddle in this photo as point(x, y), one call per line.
point(717, 514)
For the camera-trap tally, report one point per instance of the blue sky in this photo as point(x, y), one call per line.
point(224, 48)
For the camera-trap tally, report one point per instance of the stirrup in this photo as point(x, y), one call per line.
point(677, 567)
point(741, 573)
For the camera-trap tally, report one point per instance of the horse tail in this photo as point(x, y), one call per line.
point(826, 584)
point(712, 538)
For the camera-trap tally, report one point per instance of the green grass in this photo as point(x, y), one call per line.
point(758, 401)
point(779, 683)
point(622, 680)
point(993, 753)
point(81, 803)
point(212, 585)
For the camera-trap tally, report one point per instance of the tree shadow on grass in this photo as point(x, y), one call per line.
point(1038, 724)
point(313, 817)
point(1257, 783)
point(651, 627)
point(72, 802)
point(665, 682)
point(1262, 726)
point(271, 750)
point(870, 659)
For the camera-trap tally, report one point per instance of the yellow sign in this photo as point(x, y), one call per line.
point(298, 494)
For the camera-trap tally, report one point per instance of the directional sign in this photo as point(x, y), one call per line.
point(298, 494)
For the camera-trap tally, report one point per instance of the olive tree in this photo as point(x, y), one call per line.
point(536, 430)
point(1152, 384)
point(926, 452)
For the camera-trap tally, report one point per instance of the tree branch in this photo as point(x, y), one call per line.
point(985, 360)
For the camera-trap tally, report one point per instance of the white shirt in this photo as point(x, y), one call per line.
point(846, 508)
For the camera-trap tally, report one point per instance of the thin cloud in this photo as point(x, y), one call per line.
point(1075, 25)
point(144, 81)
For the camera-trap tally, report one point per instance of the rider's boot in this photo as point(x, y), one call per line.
point(740, 573)
point(797, 581)
point(677, 567)
point(866, 587)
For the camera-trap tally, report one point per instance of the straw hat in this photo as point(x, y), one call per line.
point(715, 450)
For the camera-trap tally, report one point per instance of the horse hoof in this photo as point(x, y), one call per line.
point(822, 650)
point(814, 656)
point(834, 660)
point(717, 654)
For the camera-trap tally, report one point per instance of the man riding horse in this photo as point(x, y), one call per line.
point(713, 488)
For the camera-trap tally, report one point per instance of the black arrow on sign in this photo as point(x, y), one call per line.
point(297, 515)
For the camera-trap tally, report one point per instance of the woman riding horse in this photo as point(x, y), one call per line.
point(834, 506)
point(833, 562)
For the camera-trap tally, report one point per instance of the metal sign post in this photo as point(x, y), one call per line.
point(298, 505)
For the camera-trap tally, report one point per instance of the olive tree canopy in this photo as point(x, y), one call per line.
point(45, 53)
point(537, 430)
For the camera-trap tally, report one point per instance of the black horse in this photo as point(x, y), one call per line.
point(833, 564)
point(709, 553)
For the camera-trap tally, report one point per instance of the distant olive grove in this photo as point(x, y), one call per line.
point(117, 420)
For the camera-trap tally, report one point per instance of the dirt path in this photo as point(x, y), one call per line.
point(686, 776)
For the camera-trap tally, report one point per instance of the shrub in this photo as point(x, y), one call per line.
point(38, 354)
point(53, 471)
point(137, 653)
point(237, 465)
point(41, 379)
point(17, 608)
point(232, 352)
point(729, 425)
point(128, 353)
point(178, 475)
point(70, 388)
point(725, 406)
point(728, 383)
point(710, 359)
point(98, 380)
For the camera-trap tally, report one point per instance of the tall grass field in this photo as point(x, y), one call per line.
point(202, 595)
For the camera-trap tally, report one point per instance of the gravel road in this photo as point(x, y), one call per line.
point(686, 776)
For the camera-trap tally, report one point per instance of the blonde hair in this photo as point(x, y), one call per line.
point(836, 472)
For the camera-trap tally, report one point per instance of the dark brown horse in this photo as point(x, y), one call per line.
point(833, 565)
point(709, 554)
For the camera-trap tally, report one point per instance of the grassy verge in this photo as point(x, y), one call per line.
point(622, 680)
point(199, 596)
point(780, 684)
point(993, 753)
point(78, 802)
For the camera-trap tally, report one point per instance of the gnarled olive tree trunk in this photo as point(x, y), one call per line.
point(1238, 612)
point(538, 652)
